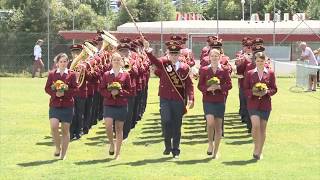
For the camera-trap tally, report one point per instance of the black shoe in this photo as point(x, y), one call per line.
point(166, 152)
point(256, 157)
point(209, 153)
point(78, 136)
point(175, 153)
point(85, 131)
point(111, 153)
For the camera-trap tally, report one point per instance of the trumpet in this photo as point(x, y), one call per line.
point(126, 64)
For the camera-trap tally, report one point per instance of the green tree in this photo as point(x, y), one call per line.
point(146, 11)
point(187, 6)
point(35, 16)
point(313, 10)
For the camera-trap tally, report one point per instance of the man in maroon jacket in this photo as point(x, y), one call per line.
point(175, 86)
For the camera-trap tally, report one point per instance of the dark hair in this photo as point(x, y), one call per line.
point(59, 56)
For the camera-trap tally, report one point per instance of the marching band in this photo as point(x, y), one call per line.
point(107, 79)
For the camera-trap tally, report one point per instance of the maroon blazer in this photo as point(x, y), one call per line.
point(166, 88)
point(134, 74)
point(225, 83)
point(66, 100)
point(241, 69)
point(124, 79)
point(253, 102)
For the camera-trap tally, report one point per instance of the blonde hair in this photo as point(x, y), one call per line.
point(260, 55)
point(59, 56)
point(216, 51)
point(115, 55)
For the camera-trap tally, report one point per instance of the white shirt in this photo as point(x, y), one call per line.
point(309, 54)
point(65, 71)
point(112, 71)
point(264, 70)
point(37, 52)
point(219, 66)
point(177, 65)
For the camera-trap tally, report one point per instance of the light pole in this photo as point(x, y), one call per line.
point(217, 18)
point(73, 19)
point(242, 2)
point(48, 35)
point(161, 27)
point(107, 8)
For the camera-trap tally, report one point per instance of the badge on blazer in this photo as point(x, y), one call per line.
point(169, 68)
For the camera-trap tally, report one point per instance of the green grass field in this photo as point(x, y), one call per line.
point(292, 149)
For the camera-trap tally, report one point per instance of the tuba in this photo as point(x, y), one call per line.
point(109, 41)
point(91, 47)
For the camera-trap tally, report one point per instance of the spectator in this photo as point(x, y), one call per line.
point(37, 63)
point(308, 56)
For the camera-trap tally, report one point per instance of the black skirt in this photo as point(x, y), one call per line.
point(118, 113)
point(63, 114)
point(262, 114)
point(215, 109)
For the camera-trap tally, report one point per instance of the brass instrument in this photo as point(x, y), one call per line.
point(126, 64)
point(91, 47)
point(109, 41)
point(76, 64)
point(83, 55)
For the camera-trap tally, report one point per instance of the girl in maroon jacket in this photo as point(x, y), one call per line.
point(214, 84)
point(61, 86)
point(259, 86)
point(115, 88)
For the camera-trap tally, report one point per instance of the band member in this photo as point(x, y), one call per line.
point(175, 86)
point(79, 98)
point(115, 88)
point(214, 83)
point(259, 86)
point(205, 50)
point(186, 54)
point(242, 61)
point(37, 63)
point(61, 86)
point(130, 66)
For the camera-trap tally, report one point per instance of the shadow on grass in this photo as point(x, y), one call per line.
point(236, 127)
point(96, 161)
point(195, 161)
point(97, 137)
point(240, 163)
point(195, 142)
point(147, 142)
point(236, 132)
point(37, 163)
point(143, 162)
point(151, 127)
point(240, 142)
point(98, 143)
point(152, 124)
point(45, 143)
point(238, 137)
point(195, 127)
point(197, 131)
point(150, 137)
point(195, 136)
point(153, 131)
point(153, 102)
